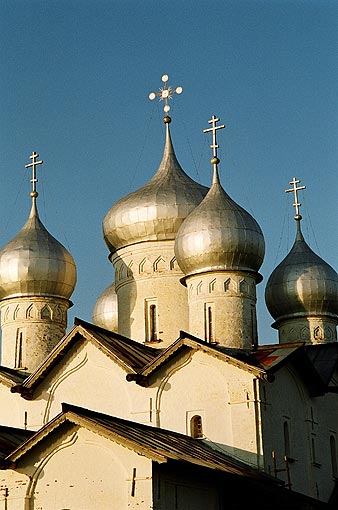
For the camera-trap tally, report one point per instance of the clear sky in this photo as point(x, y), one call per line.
point(74, 82)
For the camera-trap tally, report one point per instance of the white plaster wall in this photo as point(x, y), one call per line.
point(86, 377)
point(310, 419)
point(12, 408)
point(220, 393)
point(79, 470)
point(13, 487)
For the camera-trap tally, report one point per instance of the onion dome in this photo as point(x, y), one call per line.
point(105, 309)
point(219, 235)
point(35, 263)
point(303, 284)
point(155, 211)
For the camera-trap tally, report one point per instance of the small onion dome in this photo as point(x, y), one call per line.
point(219, 235)
point(34, 263)
point(302, 284)
point(105, 309)
point(155, 211)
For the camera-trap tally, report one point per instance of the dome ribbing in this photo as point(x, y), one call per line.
point(219, 235)
point(35, 263)
point(303, 284)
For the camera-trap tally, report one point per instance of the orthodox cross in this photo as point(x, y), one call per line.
point(33, 165)
point(295, 189)
point(165, 93)
point(214, 145)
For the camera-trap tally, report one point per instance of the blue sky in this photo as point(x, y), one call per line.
point(75, 79)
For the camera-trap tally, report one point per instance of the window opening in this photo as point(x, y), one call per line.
point(18, 349)
point(208, 323)
point(196, 429)
point(151, 322)
point(286, 439)
point(333, 456)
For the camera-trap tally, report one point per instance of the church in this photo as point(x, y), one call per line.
point(168, 400)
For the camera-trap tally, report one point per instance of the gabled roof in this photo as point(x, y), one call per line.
point(127, 353)
point(165, 446)
point(10, 439)
point(236, 357)
point(159, 445)
point(10, 376)
point(310, 361)
point(324, 358)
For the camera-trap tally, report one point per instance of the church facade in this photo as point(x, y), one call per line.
point(168, 400)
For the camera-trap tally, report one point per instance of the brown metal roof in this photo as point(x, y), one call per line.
point(10, 376)
point(157, 444)
point(10, 439)
point(129, 354)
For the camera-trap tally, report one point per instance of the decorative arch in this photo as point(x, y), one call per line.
point(212, 285)
point(32, 312)
point(130, 270)
point(145, 266)
point(228, 285)
point(46, 312)
point(160, 264)
point(173, 264)
point(243, 287)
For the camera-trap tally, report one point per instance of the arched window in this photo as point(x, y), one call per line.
point(333, 456)
point(196, 429)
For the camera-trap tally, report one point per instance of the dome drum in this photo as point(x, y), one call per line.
point(308, 329)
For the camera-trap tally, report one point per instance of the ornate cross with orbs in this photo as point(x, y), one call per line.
point(165, 93)
point(214, 145)
point(295, 189)
point(34, 179)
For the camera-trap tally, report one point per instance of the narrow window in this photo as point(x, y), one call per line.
point(18, 349)
point(313, 448)
point(208, 323)
point(333, 456)
point(254, 327)
point(151, 321)
point(286, 440)
point(196, 429)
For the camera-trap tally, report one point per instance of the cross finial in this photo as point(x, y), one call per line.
point(295, 189)
point(165, 93)
point(214, 145)
point(34, 179)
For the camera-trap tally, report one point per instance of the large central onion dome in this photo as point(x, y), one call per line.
point(35, 263)
point(155, 211)
point(219, 235)
point(303, 284)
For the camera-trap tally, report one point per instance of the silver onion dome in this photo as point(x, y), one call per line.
point(105, 310)
point(303, 284)
point(219, 235)
point(35, 263)
point(155, 211)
